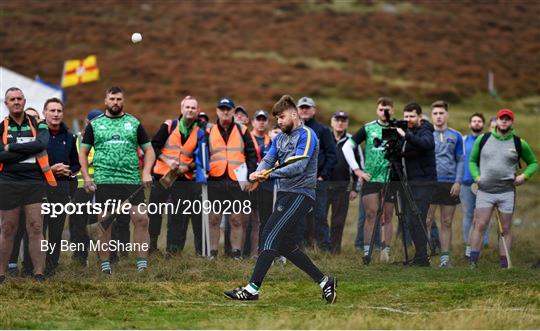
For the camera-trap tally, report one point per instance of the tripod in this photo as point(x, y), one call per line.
point(395, 172)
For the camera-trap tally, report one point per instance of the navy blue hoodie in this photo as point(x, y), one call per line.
point(327, 157)
point(419, 153)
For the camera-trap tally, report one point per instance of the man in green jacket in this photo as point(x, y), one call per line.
point(493, 164)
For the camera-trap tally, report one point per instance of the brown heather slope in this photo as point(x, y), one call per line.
point(255, 51)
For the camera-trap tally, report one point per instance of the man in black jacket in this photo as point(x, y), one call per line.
point(64, 160)
point(421, 172)
point(340, 189)
point(317, 227)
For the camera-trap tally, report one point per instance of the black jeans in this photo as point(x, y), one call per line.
point(54, 226)
point(177, 223)
point(177, 230)
point(78, 223)
point(422, 197)
point(316, 225)
point(338, 198)
point(281, 236)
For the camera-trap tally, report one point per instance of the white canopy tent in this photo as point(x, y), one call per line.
point(36, 93)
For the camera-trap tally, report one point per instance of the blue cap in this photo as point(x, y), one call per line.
point(225, 102)
point(93, 114)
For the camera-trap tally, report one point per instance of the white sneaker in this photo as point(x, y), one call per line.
point(444, 264)
point(281, 260)
point(384, 256)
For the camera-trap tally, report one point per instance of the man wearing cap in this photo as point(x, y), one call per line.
point(493, 165)
point(317, 226)
point(203, 120)
point(263, 196)
point(340, 189)
point(78, 221)
point(230, 145)
point(241, 116)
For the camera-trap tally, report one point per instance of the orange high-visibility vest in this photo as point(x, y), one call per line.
point(175, 150)
point(257, 148)
point(42, 157)
point(226, 156)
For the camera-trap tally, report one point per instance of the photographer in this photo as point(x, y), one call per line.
point(420, 170)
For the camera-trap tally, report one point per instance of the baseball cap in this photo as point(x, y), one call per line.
point(506, 112)
point(340, 114)
point(261, 113)
point(93, 114)
point(226, 103)
point(241, 109)
point(203, 114)
point(306, 101)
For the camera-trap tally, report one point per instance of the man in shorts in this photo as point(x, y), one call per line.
point(449, 158)
point(375, 175)
point(493, 165)
point(24, 174)
point(115, 136)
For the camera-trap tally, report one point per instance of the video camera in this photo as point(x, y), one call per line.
point(391, 140)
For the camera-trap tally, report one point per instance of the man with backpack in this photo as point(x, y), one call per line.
point(493, 164)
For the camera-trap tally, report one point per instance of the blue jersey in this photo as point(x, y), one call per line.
point(299, 177)
point(468, 144)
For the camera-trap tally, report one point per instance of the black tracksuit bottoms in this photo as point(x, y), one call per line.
point(282, 234)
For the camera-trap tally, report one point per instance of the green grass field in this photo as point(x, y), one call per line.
point(186, 292)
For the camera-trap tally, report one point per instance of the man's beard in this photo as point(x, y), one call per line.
point(287, 128)
point(477, 130)
point(504, 131)
point(115, 110)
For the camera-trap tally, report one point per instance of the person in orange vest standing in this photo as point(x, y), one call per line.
point(24, 171)
point(177, 145)
point(230, 147)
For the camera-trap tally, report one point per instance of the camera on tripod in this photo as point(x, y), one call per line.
point(391, 140)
